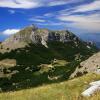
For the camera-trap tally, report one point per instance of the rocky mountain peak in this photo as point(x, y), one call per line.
point(35, 35)
point(40, 36)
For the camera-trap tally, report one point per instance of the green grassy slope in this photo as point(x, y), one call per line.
point(68, 90)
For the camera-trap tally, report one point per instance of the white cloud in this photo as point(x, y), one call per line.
point(81, 18)
point(83, 8)
point(50, 23)
point(49, 14)
point(89, 23)
point(84, 22)
point(11, 11)
point(67, 11)
point(27, 4)
point(37, 20)
point(10, 31)
point(88, 7)
point(91, 27)
point(55, 3)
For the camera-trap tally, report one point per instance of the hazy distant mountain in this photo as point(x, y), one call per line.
point(98, 44)
point(95, 38)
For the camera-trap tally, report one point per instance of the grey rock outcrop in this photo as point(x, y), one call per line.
point(90, 65)
point(40, 36)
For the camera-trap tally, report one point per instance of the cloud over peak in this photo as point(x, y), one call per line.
point(10, 31)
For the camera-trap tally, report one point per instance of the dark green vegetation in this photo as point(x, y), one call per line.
point(28, 71)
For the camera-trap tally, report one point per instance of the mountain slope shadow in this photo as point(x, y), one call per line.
point(28, 73)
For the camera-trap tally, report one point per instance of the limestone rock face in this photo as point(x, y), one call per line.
point(40, 36)
point(90, 65)
point(62, 36)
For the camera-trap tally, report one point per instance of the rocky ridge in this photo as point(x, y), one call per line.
point(35, 35)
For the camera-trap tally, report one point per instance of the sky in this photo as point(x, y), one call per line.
point(82, 17)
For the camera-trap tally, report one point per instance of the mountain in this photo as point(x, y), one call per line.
point(97, 44)
point(93, 37)
point(35, 56)
point(38, 36)
point(43, 45)
point(35, 35)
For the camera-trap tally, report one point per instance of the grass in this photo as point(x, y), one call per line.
point(68, 90)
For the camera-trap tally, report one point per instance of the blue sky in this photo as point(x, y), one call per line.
point(80, 16)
